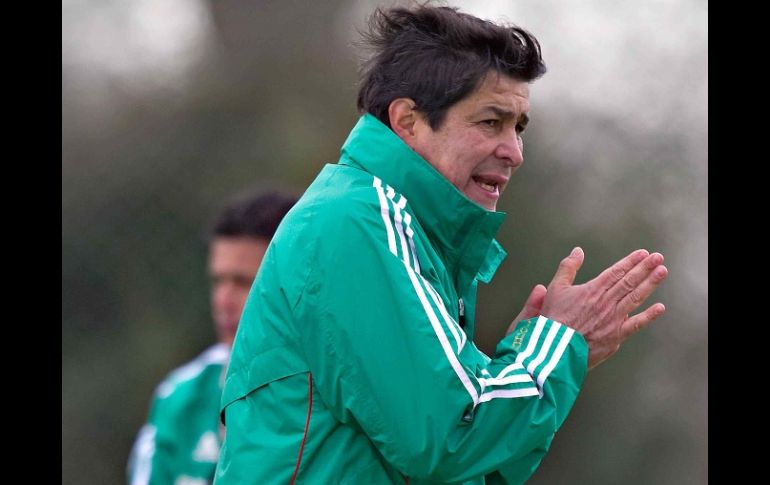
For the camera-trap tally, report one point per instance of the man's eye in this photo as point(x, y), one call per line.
point(491, 123)
point(243, 281)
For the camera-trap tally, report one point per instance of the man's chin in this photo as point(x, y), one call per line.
point(486, 199)
point(226, 333)
point(489, 206)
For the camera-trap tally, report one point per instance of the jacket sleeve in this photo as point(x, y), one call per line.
point(151, 456)
point(386, 357)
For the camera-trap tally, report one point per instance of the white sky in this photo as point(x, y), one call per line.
point(146, 43)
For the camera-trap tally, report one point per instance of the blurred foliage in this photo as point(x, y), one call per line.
point(143, 172)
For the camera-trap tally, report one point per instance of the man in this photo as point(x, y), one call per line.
point(180, 443)
point(355, 361)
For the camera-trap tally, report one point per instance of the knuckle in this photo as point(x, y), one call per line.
point(628, 284)
point(635, 297)
point(618, 272)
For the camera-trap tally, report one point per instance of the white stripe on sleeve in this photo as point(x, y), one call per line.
point(543, 349)
point(142, 454)
point(556, 357)
point(385, 215)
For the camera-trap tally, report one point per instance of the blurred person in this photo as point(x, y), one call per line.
point(355, 360)
point(181, 440)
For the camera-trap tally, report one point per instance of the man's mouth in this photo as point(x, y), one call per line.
point(486, 183)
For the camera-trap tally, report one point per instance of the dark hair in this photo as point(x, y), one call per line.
point(255, 215)
point(437, 56)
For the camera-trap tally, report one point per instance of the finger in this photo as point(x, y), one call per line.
point(534, 302)
point(627, 284)
point(568, 268)
point(532, 307)
point(636, 297)
point(617, 271)
point(637, 322)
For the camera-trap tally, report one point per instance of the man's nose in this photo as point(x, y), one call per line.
point(511, 149)
point(224, 293)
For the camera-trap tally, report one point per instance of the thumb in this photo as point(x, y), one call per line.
point(534, 302)
point(568, 268)
point(533, 305)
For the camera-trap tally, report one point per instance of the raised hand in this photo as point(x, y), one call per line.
point(599, 309)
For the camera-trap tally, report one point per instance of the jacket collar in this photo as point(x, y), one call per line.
point(461, 231)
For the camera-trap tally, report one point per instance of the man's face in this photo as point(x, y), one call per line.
point(479, 145)
point(233, 264)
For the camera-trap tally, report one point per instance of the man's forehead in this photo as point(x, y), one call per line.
point(502, 95)
point(499, 82)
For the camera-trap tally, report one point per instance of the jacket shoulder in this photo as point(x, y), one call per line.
point(342, 198)
point(188, 378)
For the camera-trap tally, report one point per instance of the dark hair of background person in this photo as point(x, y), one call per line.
point(436, 57)
point(255, 215)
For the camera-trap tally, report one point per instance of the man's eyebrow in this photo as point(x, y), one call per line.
point(506, 114)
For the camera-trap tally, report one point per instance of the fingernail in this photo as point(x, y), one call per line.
point(575, 251)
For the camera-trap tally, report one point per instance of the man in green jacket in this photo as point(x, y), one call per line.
point(355, 362)
point(181, 440)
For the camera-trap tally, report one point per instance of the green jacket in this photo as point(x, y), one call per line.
point(180, 442)
point(354, 360)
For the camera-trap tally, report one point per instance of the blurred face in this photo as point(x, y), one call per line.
point(233, 264)
point(479, 145)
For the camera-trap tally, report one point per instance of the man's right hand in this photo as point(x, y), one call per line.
point(599, 309)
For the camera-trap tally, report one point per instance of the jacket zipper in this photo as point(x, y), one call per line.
point(461, 312)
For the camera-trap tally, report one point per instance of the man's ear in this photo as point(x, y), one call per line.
point(403, 118)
